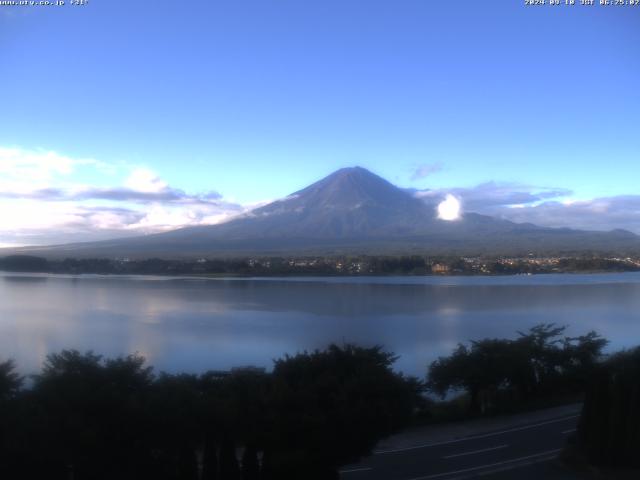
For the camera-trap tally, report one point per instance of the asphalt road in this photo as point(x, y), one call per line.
point(488, 453)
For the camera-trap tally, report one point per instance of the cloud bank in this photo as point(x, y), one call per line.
point(41, 204)
point(549, 207)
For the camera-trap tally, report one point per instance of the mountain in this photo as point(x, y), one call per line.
point(350, 211)
point(349, 203)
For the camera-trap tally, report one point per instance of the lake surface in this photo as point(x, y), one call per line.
point(191, 324)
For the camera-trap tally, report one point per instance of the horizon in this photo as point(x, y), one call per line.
point(206, 112)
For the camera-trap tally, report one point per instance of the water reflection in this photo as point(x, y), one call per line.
point(193, 325)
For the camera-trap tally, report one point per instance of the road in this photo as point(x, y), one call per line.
point(486, 453)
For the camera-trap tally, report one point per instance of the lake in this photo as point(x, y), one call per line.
point(193, 324)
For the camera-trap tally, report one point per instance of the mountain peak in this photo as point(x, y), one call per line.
point(352, 187)
point(352, 172)
point(350, 202)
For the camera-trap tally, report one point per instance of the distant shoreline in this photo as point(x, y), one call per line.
point(327, 266)
point(412, 279)
point(321, 266)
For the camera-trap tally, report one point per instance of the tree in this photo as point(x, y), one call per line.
point(541, 345)
point(10, 381)
point(481, 370)
point(331, 407)
point(24, 263)
point(175, 407)
point(90, 416)
point(609, 427)
point(581, 355)
point(538, 363)
point(10, 384)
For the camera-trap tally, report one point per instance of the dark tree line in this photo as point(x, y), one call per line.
point(496, 372)
point(86, 417)
point(331, 265)
point(609, 428)
point(318, 265)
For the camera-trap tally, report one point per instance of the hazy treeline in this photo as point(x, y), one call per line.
point(85, 417)
point(330, 265)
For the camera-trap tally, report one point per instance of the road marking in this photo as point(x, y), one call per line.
point(475, 437)
point(476, 451)
point(568, 431)
point(353, 470)
point(490, 465)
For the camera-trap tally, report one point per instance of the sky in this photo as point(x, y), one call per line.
point(120, 118)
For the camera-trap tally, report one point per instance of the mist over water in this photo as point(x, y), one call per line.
point(193, 325)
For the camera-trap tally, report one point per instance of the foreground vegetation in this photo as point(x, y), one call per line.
point(541, 367)
point(609, 429)
point(499, 375)
point(86, 417)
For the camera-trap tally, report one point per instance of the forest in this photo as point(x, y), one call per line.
point(87, 417)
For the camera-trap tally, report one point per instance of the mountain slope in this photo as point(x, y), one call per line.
point(350, 211)
point(349, 203)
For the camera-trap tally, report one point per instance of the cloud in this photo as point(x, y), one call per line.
point(548, 207)
point(41, 204)
point(605, 213)
point(29, 175)
point(494, 194)
point(34, 222)
point(38, 165)
point(145, 180)
point(116, 194)
point(425, 170)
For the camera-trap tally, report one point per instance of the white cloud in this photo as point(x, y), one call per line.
point(38, 165)
point(40, 203)
point(496, 194)
point(23, 171)
point(17, 161)
point(34, 215)
point(145, 180)
point(607, 213)
point(160, 217)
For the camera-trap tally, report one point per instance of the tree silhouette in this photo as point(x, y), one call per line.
point(539, 363)
point(10, 381)
point(10, 384)
point(481, 369)
point(331, 407)
point(90, 415)
point(609, 428)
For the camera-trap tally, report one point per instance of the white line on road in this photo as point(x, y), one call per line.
point(549, 453)
point(353, 470)
point(476, 451)
point(568, 431)
point(476, 437)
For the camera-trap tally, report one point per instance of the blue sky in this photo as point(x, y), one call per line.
point(256, 99)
